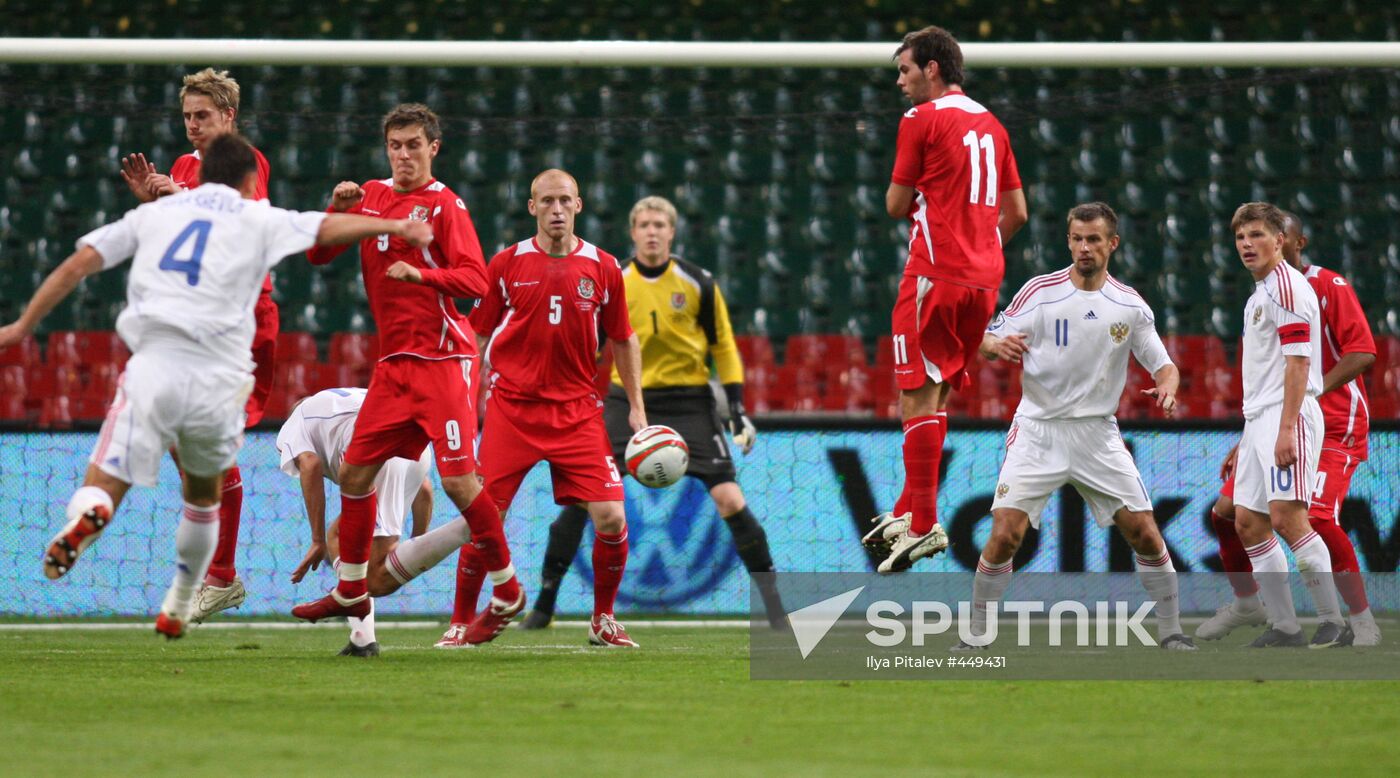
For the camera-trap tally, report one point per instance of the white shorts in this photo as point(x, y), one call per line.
point(162, 400)
point(1044, 455)
point(395, 487)
point(1257, 481)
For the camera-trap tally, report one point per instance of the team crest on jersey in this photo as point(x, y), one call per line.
point(678, 300)
point(418, 214)
point(1258, 314)
point(1118, 331)
point(1002, 489)
point(585, 288)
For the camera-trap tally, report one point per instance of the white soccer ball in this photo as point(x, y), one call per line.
point(657, 456)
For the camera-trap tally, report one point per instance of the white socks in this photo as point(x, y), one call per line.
point(988, 585)
point(1158, 577)
point(1271, 572)
point(85, 499)
point(195, 540)
point(1315, 565)
point(415, 556)
point(362, 630)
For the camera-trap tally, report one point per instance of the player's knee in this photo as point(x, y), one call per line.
point(462, 489)
point(356, 479)
point(1140, 530)
point(729, 499)
point(608, 517)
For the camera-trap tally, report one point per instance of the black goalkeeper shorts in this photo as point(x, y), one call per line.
point(689, 411)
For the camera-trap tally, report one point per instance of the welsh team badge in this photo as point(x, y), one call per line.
point(418, 214)
point(585, 288)
point(1118, 331)
point(678, 300)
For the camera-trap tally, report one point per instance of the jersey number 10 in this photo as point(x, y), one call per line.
point(974, 142)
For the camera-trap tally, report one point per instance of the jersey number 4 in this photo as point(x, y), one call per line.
point(188, 264)
point(974, 142)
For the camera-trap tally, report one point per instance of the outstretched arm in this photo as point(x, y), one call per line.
point(60, 283)
point(313, 492)
point(340, 228)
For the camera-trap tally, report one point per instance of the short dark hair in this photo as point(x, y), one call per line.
point(227, 160)
point(410, 114)
point(1289, 216)
point(935, 44)
point(1258, 212)
point(1087, 212)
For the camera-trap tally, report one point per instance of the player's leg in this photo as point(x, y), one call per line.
point(1334, 473)
point(1157, 573)
point(751, 542)
point(195, 538)
point(565, 535)
point(993, 576)
point(609, 564)
point(90, 511)
point(1245, 609)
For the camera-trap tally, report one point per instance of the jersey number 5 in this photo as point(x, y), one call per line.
point(199, 230)
point(556, 310)
point(973, 142)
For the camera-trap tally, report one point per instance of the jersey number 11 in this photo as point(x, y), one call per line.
point(973, 142)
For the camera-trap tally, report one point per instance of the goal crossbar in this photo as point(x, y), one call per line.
point(683, 54)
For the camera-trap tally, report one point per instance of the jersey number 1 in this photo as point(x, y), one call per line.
point(973, 142)
point(199, 230)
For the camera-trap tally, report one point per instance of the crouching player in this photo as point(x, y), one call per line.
point(312, 445)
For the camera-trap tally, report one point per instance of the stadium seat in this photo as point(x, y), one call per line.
point(26, 353)
point(296, 347)
point(354, 349)
point(14, 389)
point(756, 351)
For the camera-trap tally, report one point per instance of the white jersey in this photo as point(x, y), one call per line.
point(1077, 362)
point(1282, 318)
point(323, 425)
point(200, 260)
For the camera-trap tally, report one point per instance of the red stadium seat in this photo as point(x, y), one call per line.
point(63, 349)
point(806, 350)
point(329, 376)
point(884, 352)
point(759, 382)
point(294, 380)
point(56, 413)
point(851, 389)
point(885, 393)
point(14, 388)
point(848, 349)
point(101, 384)
point(354, 349)
point(803, 386)
point(25, 353)
point(756, 350)
point(88, 409)
point(1387, 354)
point(296, 347)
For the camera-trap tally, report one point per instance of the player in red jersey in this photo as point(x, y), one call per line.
point(209, 104)
point(421, 389)
point(955, 179)
point(1349, 350)
point(548, 297)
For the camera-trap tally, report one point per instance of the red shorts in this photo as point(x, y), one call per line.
point(1334, 472)
point(569, 436)
point(412, 402)
point(264, 356)
point(938, 327)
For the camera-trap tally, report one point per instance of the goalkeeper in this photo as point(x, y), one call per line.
point(680, 317)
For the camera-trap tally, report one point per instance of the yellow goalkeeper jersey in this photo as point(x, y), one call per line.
point(680, 318)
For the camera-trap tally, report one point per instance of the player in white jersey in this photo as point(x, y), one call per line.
point(312, 444)
point(199, 261)
point(1276, 462)
point(1074, 331)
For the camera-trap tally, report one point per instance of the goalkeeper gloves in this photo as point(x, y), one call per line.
point(740, 426)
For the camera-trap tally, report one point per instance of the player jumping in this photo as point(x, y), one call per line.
point(1276, 459)
point(1074, 331)
point(955, 179)
point(199, 258)
point(679, 315)
point(1350, 350)
point(421, 390)
point(549, 295)
point(209, 105)
point(312, 445)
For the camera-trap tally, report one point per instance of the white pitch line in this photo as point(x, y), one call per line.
point(126, 625)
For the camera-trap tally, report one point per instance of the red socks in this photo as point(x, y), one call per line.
point(491, 553)
point(356, 534)
point(1233, 557)
point(470, 575)
point(923, 448)
point(230, 510)
point(609, 561)
point(1346, 571)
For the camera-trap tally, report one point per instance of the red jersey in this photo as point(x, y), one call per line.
point(185, 172)
point(1346, 416)
point(419, 320)
point(957, 157)
point(544, 313)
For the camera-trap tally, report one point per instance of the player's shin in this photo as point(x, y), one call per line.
point(923, 448)
point(195, 538)
point(489, 537)
point(415, 556)
point(1235, 561)
point(222, 569)
point(565, 534)
point(1315, 566)
point(1346, 570)
point(609, 562)
point(1271, 571)
point(989, 585)
point(470, 575)
point(356, 536)
point(1158, 577)
point(752, 544)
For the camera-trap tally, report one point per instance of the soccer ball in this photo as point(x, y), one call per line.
point(657, 456)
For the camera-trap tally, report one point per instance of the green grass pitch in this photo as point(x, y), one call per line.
point(259, 701)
